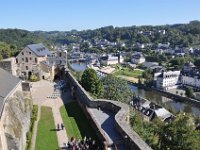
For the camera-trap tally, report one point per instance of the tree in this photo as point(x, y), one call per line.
point(91, 82)
point(116, 89)
point(180, 134)
point(189, 92)
point(34, 78)
point(197, 62)
point(148, 76)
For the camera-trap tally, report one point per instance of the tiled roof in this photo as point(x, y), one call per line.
point(39, 49)
point(7, 83)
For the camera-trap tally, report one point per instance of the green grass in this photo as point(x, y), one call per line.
point(31, 129)
point(75, 122)
point(129, 72)
point(46, 134)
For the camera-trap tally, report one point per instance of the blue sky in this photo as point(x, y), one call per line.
point(65, 15)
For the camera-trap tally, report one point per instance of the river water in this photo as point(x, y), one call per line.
point(172, 105)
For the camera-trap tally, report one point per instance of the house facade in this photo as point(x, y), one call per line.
point(29, 60)
point(111, 60)
point(167, 80)
point(58, 58)
point(190, 75)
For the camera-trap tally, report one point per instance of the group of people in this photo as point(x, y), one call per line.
point(60, 126)
point(84, 144)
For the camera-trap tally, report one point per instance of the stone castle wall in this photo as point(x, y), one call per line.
point(121, 110)
point(6, 65)
point(16, 120)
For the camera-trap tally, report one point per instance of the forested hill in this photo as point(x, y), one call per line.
point(13, 40)
point(178, 34)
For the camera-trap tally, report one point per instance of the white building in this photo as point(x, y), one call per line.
point(190, 75)
point(137, 58)
point(111, 60)
point(167, 80)
point(190, 80)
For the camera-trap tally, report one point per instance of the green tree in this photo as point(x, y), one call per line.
point(180, 134)
point(148, 76)
point(116, 89)
point(197, 62)
point(91, 82)
point(189, 92)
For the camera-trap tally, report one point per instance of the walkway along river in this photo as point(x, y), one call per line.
point(170, 104)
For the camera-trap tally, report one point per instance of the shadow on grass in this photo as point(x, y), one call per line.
point(54, 130)
point(84, 126)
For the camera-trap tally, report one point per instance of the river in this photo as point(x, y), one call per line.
point(172, 105)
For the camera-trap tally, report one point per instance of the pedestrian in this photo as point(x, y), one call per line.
point(58, 126)
point(62, 126)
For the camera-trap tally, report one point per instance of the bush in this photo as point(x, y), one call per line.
point(34, 78)
point(30, 132)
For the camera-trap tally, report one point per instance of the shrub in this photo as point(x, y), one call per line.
point(34, 78)
point(30, 132)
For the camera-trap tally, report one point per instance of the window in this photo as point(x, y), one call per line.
point(26, 59)
point(22, 53)
point(29, 53)
point(30, 58)
point(35, 60)
point(16, 60)
point(26, 67)
point(22, 59)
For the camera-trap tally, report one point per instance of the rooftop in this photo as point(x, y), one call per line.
point(7, 83)
point(39, 49)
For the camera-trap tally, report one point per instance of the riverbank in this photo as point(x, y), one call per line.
point(167, 94)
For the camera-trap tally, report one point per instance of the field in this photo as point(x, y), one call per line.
point(46, 133)
point(136, 73)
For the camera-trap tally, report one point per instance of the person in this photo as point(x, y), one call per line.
point(62, 126)
point(58, 126)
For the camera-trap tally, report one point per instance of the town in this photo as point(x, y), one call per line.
point(99, 75)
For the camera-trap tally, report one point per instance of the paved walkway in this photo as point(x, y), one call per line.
point(105, 119)
point(40, 92)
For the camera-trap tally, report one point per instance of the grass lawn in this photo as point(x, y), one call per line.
point(129, 72)
point(75, 122)
point(46, 134)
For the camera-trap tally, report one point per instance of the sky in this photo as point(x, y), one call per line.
point(65, 15)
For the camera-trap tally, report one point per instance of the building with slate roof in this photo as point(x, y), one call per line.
point(137, 58)
point(9, 84)
point(38, 60)
point(30, 59)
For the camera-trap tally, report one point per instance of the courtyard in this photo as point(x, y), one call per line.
point(55, 108)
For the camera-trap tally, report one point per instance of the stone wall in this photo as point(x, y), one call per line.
point(121, 110)
point(16, 120)
point(6, 65)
